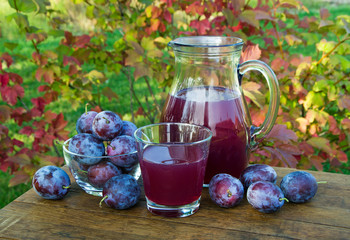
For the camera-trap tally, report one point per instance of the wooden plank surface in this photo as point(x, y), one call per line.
point(78, 216)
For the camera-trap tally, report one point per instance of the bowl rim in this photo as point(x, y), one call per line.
point(65, 149)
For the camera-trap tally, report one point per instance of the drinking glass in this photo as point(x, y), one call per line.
point(173, 158)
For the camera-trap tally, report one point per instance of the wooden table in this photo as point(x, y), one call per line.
point(78, 216)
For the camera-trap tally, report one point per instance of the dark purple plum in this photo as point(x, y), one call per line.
point(51, 182)
point(86, 144)
point(299, 186)
point(121, 192)
point(226, 190)
point(128, 128)
point(265, 196)
point(258, 172)
point(84, 123)
point(123, 144)
point(100, 173)
point(107, 125)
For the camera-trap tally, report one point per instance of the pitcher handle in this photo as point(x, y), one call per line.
point(258, 133)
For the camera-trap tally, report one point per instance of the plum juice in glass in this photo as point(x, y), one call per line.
point(207, 91)
point(173, 158)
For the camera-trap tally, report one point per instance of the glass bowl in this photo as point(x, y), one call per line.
point(79, 170)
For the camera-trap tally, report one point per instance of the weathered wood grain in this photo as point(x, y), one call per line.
point(78, 216)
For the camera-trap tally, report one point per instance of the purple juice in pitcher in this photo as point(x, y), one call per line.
point(221, 110)
point(173, 175)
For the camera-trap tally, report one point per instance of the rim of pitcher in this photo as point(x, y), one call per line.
point(193, 41)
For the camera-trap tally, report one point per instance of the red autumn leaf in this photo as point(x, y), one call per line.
point(7, 58)
point(82, 40)
point(252, 52)
point(27, 130)
point(109, 93)
point(20, 159)
point(58, 161)
point(333, 127)
point(19, 177)
point(96, 109)
point(72, 70)
point(48, 76)
point(154, 25)
point(43, 88)
point(341, 156)
point(49, 116)
point(69, 38)
point(202, 26)
point(15, 78)
point(156, 12)
point(17, 142)
point(39, 133)
point(11, 93)
point(194, 8)
point(4, 79)
point(167, 16)
point(5, 113)
point(68, 60)
point(59, 123)
point(280, 132)
point(317, 162)
point(278, 64)
point(346, 123)
point(306, 149)
point(324, 13)
point(39, 103)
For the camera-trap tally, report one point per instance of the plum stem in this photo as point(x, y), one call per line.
point(229, 193)
point(86, 108)
point(322, 182)
point(66, 187)
point(83, 171)
point(107, 121)
point(285, 199)
point(105, 197)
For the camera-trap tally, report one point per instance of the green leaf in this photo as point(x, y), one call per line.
point(320, 143)
point(325, 46)
point(25, 6)
point(56, 33)
point(320, 86)
point(147, 43)
point(249, 17)
point(311, 38)
point(90, 11)
point(10, 45)
point(313, 99)
point(346, 25)
point(20, 19)
point(294, 3)
point(231, 20)
point(343, 61)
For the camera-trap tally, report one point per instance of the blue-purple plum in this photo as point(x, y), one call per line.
point(51, 182)
point(226, 190)
point(100, 173)
point(84, 123)
point(121, 192)
point(86, 144)
point(107, 125)
point(265, 196)
point(299, 186)
point(258, 172)
point(123, 144)
point(128, 128)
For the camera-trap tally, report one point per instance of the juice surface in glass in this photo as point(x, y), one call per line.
point(173, 175)
point(219, 109)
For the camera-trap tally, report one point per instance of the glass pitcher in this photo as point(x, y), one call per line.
point(207, 91)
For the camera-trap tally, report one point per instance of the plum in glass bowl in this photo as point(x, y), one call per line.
point(92, 162)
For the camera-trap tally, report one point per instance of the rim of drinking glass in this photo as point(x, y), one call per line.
point(178, 42)
point(171, 144)
point(65, 149)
